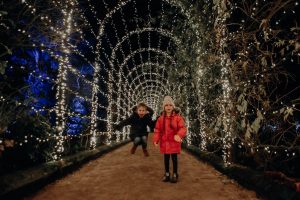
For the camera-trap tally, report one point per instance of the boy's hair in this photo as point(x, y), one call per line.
point(141, 104)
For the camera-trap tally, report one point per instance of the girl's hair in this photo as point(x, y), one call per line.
point(165, 108)
point(141, 104)
point(164, 114)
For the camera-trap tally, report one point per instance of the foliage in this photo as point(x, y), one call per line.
point(27, 141)
point(262, 44)
point(259, 42)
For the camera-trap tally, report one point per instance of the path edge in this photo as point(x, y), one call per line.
point(22, 183)
point(265, 186)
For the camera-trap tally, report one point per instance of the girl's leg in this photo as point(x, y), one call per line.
point(175, 168)
point(167, 168)
point(144, 142)
point(136, 142)
point(144, 145)
point(175, 163)
point(167, 163)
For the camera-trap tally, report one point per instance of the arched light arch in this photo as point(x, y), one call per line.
point(163, 32)
point(138, 87)
point(144, 50)
point(177, 4)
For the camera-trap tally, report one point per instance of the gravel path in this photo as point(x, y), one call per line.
point(119, 175)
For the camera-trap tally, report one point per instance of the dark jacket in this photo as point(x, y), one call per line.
point(138, 125)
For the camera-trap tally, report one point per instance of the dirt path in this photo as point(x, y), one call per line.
point(121, 176)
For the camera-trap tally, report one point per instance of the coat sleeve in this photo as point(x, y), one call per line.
point(157, 131)
point(181, 127)
point(150, 122)
point(150, 110)
point(123, 123)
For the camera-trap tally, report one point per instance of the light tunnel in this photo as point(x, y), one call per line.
point(72, 70)
point(131, 61)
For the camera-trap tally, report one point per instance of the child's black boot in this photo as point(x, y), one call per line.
point(174, 178)
point(166, 177)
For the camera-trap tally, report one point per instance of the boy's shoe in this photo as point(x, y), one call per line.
point(132, 151)
point(166, 178)
point(174, 178)
point(145, 152)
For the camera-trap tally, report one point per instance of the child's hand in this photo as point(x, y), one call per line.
point(177, 138)
point(156, 144)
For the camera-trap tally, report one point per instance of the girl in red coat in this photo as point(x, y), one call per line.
point(169, 131)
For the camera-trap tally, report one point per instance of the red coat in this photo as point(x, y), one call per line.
point(164, 133)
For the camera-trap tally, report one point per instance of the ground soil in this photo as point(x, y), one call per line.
point(119, 175)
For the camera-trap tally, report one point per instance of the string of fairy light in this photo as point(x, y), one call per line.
point(132, 53)
point(62, 73)
point(148, 54)
point(149, 41)
point(225, 101)
point(259, 111)
point(128, 93)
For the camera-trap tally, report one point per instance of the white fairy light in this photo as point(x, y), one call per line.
point(129, 93)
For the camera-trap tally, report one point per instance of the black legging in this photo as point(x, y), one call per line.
point(167, 163)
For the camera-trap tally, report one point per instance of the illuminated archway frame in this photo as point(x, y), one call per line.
point(99, 64)
point(64, 66)
point(101, 33)
point(70, 7)
point(137, 67)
